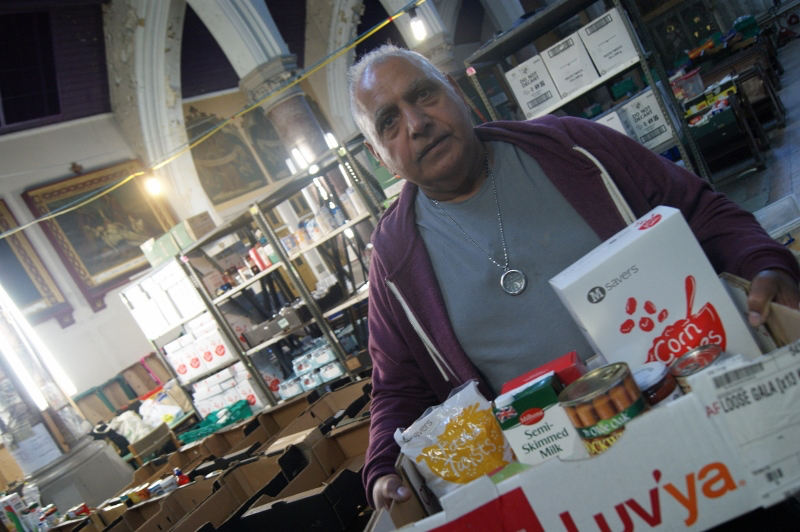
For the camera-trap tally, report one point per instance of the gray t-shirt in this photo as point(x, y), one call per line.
point(504, 335)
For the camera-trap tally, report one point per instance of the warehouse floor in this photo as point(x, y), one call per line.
point(782, 175)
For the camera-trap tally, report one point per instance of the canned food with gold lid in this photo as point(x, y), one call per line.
point(600, 403)
point(693, 362)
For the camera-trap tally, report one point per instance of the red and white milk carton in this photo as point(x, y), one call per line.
point(192, 360)
point(216, 350)
point(650, 294)
point(252, 394)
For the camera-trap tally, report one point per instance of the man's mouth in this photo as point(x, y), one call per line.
point(430, 147)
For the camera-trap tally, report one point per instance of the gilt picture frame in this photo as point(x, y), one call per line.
point(25, 278)
point(98, 241)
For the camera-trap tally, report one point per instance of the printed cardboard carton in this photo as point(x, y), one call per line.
point(536, 425)
point(569, 65)
point(646, 480)
point(532, 86)
point(644, 116)
point(650, 294)
point(607, 41)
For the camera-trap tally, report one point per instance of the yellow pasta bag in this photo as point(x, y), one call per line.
point(456, 442)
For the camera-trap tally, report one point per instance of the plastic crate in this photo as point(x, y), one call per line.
point(778, 216)
point(217, 420)
point(117, 392)
point(782, 221)
point(95, 406)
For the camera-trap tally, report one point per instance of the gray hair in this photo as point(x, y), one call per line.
point(377, 56)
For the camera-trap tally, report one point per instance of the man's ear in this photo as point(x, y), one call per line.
point(453, 83)
point(375, 154)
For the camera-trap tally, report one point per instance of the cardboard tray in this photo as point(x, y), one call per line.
point(161, 513)
point(325, 413)
point(335, 503)
point(238, 487)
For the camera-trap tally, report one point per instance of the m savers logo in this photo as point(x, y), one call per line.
point(598, 293)
point(712, 481)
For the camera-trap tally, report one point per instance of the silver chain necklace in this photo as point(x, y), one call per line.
point(513, 282)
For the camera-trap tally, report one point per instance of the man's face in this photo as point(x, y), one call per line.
point(422, 129)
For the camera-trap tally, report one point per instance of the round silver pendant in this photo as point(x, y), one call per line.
point(513, 282)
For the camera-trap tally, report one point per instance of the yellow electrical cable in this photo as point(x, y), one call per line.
point(222, 124)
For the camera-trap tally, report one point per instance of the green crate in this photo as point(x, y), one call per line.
point(217, 420)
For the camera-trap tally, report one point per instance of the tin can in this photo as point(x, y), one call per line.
point(600, 403)
point(693, 362)
point(658, 385)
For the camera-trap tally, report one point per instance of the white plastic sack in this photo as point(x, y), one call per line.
point(155, 412)
point(129, 425)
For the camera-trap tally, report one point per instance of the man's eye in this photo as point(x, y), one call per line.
point(424, 93)
point(388, 122)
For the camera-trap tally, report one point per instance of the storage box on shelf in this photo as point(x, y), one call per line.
point(569, 65)
point(95, 406)
point(607, 44)
point(139, 379)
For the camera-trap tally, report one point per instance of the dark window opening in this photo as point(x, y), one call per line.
point(28, 83)
point(374, 14)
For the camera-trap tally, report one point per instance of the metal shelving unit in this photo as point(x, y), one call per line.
point(256, 216)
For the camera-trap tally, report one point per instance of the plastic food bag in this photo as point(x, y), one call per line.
point(155, 412)
point(456, 441)
point(130, 426)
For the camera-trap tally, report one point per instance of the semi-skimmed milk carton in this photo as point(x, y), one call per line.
point(649, 293)
point(535, 424)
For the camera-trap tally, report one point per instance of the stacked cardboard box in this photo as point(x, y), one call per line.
point(233, 474)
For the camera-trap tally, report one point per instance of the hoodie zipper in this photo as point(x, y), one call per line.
point(616, 196)
point(437, 357)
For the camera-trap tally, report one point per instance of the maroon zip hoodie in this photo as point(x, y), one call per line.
point(417, 359)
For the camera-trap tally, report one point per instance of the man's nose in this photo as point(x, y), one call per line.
point(418, 121)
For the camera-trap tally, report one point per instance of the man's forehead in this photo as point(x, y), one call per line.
point(392, 68)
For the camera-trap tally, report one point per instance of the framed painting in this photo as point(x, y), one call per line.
point(99, 241)
point(25, 278)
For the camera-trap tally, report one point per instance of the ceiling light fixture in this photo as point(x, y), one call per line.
point(417, 25)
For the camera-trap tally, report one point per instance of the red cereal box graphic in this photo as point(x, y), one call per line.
point(650, 222)
point(701, 328)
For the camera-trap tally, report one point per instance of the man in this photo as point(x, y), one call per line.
point(461, 262)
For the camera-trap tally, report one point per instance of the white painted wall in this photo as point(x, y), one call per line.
point(99, 344)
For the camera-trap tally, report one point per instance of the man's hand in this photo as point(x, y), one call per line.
point(770, 285)
point(389, 488)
